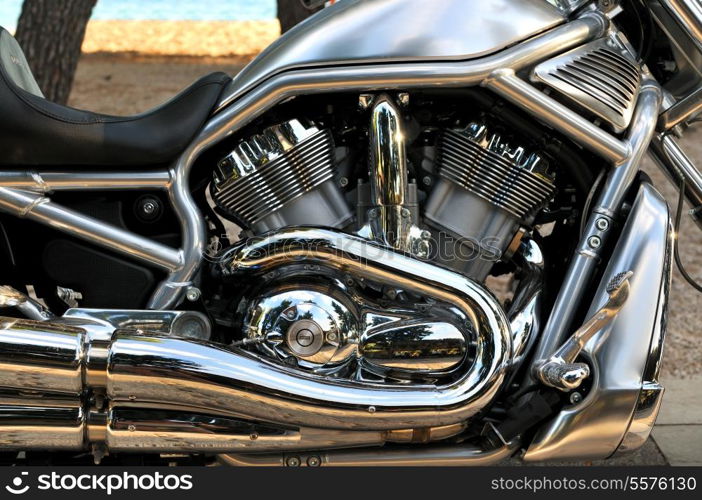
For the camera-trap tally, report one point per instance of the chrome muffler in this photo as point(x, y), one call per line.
point(151, 373)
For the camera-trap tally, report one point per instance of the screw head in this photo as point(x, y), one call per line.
point(594, 242)
point(575, 398)
point(371, 409)
point(332, 336)
point(405, 212)
point(426, 235)
point(344, 181)
point(602, 224)
point(314, 461)
point(403, 98)
point(253, 436)
point(293, 462)
point(192, 293)
point(426, 180)
point(131, 428)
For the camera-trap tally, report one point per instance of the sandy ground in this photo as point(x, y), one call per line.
point(128, 85)
point(683, 350)
point(183, 38)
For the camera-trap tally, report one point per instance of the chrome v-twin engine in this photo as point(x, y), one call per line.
point(326, 321)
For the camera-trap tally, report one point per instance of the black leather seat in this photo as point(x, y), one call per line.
point(34, 131)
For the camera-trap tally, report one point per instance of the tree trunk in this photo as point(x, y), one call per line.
point(51, 33)
point(291, 12)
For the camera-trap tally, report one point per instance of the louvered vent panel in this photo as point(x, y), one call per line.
point(600, 76)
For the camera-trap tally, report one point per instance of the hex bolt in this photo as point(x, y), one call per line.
point(149, 207)
point(293, 462)
point(290, 314)
point(594, 241)
point(314, 461)
point(405, 212)
point(602, 224)
point(192, 293)
point(575, 398)
point(426, 180)
point(403, 98)
point(131, 428)
point(331, 336)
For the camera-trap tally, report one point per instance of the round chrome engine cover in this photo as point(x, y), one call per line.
point(317, 325)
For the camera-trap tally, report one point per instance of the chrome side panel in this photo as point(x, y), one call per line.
point(626, 354)
point(368, 31)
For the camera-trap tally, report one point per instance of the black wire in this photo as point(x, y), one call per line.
point(678, 217)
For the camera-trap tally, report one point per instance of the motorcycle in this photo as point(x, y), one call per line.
point(408, 233)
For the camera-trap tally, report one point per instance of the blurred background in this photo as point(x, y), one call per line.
point(123, 57)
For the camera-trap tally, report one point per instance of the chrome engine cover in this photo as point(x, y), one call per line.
point(329, 328)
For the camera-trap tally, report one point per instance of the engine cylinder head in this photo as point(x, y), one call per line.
point(486, 190)
point(281, 177)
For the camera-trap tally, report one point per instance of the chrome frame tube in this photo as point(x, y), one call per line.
point(689, 17)
point(506, 84)
point(40, 209)
point(675, 163)
point(681, 111)
point(597, 232)
point(49, 181)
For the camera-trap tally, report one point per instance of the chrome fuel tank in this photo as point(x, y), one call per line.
point(367, 31)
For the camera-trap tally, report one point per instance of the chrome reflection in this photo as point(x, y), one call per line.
point(595, 427)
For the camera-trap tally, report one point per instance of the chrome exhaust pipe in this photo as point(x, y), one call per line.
point(132, 369)
point(436, 456)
